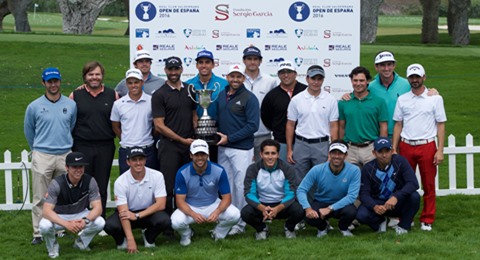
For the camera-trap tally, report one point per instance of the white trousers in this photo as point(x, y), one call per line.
point(48, 228)
point(236, 162)
point(227, 219)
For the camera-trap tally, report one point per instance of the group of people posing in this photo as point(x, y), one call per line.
point(352, 159)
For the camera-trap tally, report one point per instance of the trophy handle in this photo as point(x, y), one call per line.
point(190, 94)
point(216, 86)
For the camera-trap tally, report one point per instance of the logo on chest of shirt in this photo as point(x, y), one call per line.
point(64, 110)
point(344, 180)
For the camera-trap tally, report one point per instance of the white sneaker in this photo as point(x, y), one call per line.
point(400, 231)
point(103, 233)
point(78, 244)
point(300, 225)
point(393, 222)
point(214, 236)
point(145, 242)
point(262, 235)
point(185, 240)
point(290, 234)
point(54, 252)
point(122, 246)
point(346, 233)
point(322, 233)
point(383, 227)
point(425, 226)
point(236, 231)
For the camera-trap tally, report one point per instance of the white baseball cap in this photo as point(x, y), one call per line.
point(236, 68)
point(384, 56)
point(199, 145)
point(142, 54)
point(286, 65)
point(338, 146)
point(134, 73)
point(415, 69)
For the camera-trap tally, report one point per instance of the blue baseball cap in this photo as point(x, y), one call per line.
point(382, 142)
point(51, 73)
point(204, 54)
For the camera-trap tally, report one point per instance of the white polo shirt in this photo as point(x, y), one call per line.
point(260, 87)
point(139, 195)
point(313, 114)
point(135, 118)
point(419, 114)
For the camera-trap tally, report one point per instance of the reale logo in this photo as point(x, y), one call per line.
point(299, 11)
point(222, 12)
point(145, 11)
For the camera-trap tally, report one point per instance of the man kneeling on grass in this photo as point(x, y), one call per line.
point(66, 206)
point(389, 188)
point(197, 186)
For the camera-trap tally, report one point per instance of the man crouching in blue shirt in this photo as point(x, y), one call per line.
point(337, 184)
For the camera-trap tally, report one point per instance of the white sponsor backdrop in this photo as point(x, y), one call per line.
point(324, 32)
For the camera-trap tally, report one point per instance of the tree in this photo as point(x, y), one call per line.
point(3, 12)
point(431, 12)
point(18, 8)
point(457, 20)
point(79, 16)
point(369, 20)
point(127, 8)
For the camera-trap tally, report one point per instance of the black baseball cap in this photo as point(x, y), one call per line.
point(135, 151)
point(173, 62)
point(76, 159)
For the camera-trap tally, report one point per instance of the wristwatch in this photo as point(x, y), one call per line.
point(330, 207)
point(87, 221)
point(137, 215)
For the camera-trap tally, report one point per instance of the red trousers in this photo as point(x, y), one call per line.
point(422, 155)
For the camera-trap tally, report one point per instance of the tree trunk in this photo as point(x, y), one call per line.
point(127, 8)
point(431, 10)
point(457, 20)
point(19, 10)
point(3, 12)
point(369, 20)
point(79, 16)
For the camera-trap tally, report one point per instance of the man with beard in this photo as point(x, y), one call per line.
point(93, 134)
point(174, 116)
point(419, 118)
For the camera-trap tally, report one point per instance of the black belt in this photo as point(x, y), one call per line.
point(143, 147)
point(312, 141)
point(364, 144)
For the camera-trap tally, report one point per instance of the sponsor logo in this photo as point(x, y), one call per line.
point(187, 61)
point(307, 48)
point(145, 11)
point(163, 47)
point(276, 47)
point(275, 61)
point(339, 47)
point(341, 75)
point(328, 62)
point(247, 12)
point(165, 33)
point(218, 33)
point(299, 32)
point(222, 13)
point(142, 33)
point(165, 11)
point(277, 33)
point(188, 32)
point(322, 11)
point(253, 33)
point(227, 47)
point(327, 34)
point(299, 11)
point(301, 61)
point(194, 47)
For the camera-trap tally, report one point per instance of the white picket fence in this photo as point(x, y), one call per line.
point(451, 151)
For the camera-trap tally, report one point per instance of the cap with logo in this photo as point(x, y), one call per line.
point(415, 69)
point(236, 68)
point(198, 146)
point(315, 70)
point(134, 73)
point(252, 51)
point(384, 56)
point(51, 73)
point(204, 54)
point(382, 142)
point(142, 54)
point(173, 62)
point(135, 151)
point(286, 65)
point(76, 159)
point(338, 146)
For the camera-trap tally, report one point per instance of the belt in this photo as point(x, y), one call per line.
point(364, 144)
point(143, 147)
point(418, 142)
point(312, 141)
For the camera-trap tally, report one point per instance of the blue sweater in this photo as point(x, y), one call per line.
point(338, 191)
point(238, 117)
point(195, 81)
point(48, 126)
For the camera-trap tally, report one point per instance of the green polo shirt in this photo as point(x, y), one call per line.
point(398, 87)
point(362, 117)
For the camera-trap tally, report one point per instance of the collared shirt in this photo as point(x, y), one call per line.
point(260, 87)
point(135, 118)
point(201, 190)
point(420, 115)
point(139, 195)
point(313, 114)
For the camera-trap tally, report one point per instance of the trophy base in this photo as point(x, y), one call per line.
point(207, 131)
point(210, 139)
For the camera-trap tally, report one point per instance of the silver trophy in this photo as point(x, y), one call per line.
point(206, 128)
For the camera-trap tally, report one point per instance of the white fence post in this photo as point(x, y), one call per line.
point(8, 178)
point(469, 144)
point(452, 165)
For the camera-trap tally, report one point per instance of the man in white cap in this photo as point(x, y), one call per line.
point(197, 186)
point(275, 104)
point(238, 120)
point(420, 118)
point(259, 84)
point(143, 62)
point(132, 121)
point(336, 187)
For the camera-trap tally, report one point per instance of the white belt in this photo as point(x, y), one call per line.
point(418, 142)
